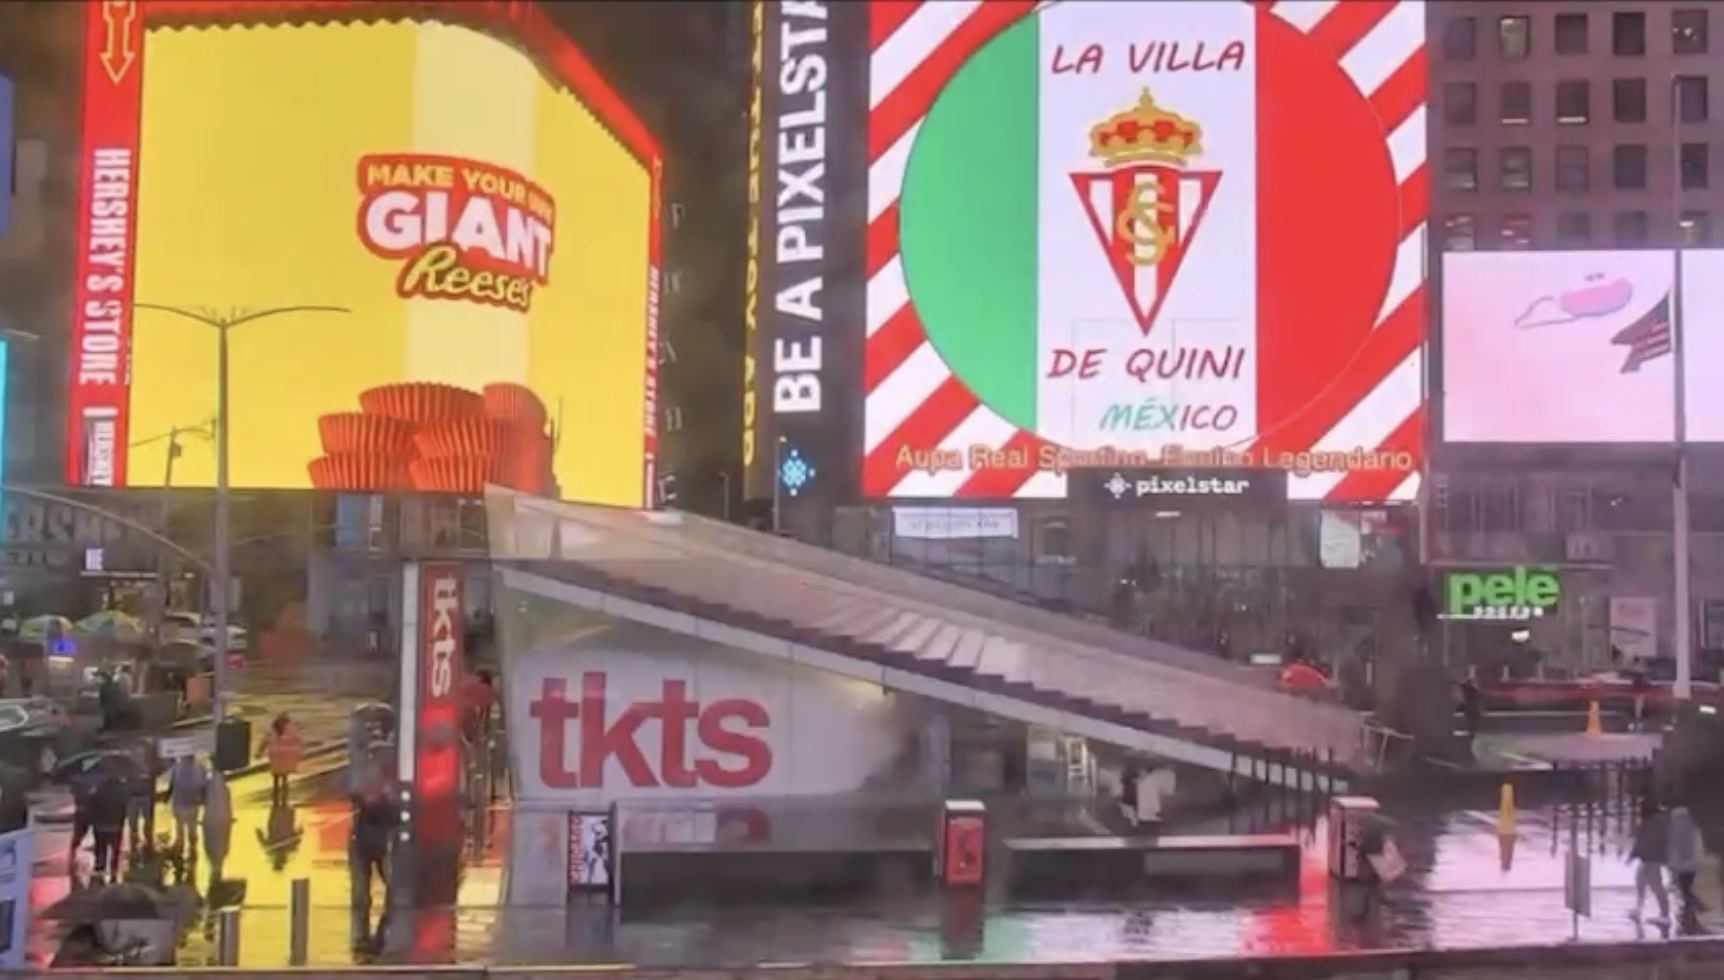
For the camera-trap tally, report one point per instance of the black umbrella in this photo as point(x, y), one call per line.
point(101, 902)
point(121, 762)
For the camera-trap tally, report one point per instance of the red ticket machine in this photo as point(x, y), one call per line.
point(960, 849)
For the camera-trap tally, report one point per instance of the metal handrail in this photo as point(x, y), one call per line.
point(598, 536)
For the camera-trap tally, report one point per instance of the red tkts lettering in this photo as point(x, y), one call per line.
point(741, 759)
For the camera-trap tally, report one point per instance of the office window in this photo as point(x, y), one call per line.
point(1570, 33)
point(1516, 233)
point(1460, 103)
point(1630, 227)
point(1628, 100)
point(1691, 98)
point(1696, 165)
point(1460, 39)
point(1461, 169)
point(1574, 228)
point(1514, 168)
point(1573, 168)
point(1514, 37)
point(1460, 233)
point(1688, 31)
point(1696, 228)
point(1514, 103)
point(1573, 101)
point(1628, 35)
point(1628, 164)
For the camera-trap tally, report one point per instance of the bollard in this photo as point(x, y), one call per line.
point(1506, 811)
point(481, 831)
point(227, 938)
point(299, 922)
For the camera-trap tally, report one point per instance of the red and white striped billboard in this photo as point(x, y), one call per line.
point(1138, 233)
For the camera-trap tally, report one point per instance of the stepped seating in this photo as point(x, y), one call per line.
point(927, 637)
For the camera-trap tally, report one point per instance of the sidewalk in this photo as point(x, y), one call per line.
point(1459, 894)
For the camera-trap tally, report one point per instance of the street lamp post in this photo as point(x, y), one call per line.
point(222, 324)
point(1682, 601)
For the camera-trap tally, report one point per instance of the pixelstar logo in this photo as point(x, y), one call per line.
point(726, 754)
point(463, 230)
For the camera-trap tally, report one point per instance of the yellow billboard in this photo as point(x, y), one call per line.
point(429, 249)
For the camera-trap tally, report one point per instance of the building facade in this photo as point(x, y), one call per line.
point(1574, 126)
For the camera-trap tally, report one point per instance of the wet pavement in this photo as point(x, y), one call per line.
point(1465, 888)
point(1462, 891)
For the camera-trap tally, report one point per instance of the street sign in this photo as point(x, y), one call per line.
point(200, 742)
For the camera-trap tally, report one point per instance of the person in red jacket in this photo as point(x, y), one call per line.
point(477, 696)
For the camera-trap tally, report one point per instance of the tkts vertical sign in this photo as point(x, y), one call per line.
point(107, 227)
point(430, 744)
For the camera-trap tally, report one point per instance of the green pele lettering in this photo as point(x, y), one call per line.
point(1531, 588)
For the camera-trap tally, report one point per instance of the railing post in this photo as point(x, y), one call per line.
point(227, 938)
point(299, 922)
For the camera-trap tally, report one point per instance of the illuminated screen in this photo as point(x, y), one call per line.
point(1579, 347)
point(436, 255)
point(1142, 233)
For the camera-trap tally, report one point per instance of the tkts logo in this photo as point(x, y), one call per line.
point(1146, 206)
point(462, 229)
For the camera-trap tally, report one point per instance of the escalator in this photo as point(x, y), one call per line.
point(789, 601)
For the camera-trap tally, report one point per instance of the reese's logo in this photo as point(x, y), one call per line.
point(461, 229)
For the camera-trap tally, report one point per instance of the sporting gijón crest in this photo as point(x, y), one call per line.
point(1146, 205)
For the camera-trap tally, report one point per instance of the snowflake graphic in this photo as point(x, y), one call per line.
point(795, 472)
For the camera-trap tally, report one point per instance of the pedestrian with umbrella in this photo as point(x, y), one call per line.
point(120, 925)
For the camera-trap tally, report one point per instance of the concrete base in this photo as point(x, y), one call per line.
point(658, 879)
point(1073, 867)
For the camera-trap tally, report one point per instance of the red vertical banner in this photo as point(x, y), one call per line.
point(437, 722)
point(98, 394)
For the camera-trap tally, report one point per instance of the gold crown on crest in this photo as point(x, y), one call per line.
point(1145, 133)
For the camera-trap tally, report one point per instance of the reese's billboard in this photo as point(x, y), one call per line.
point(427, 232)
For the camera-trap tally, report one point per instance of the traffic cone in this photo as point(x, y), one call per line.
point(1594, 724)
point(1505, 812)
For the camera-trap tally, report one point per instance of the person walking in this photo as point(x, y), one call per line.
point(107, 814)
point(368, 855)
point(284, 747)
point(218, 823)
point(187, 783)
point(1651, 849)
point(141, 800)
point(1684, 860)
point(83, 787)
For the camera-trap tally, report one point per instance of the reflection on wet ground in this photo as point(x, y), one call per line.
point(1465, 889)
